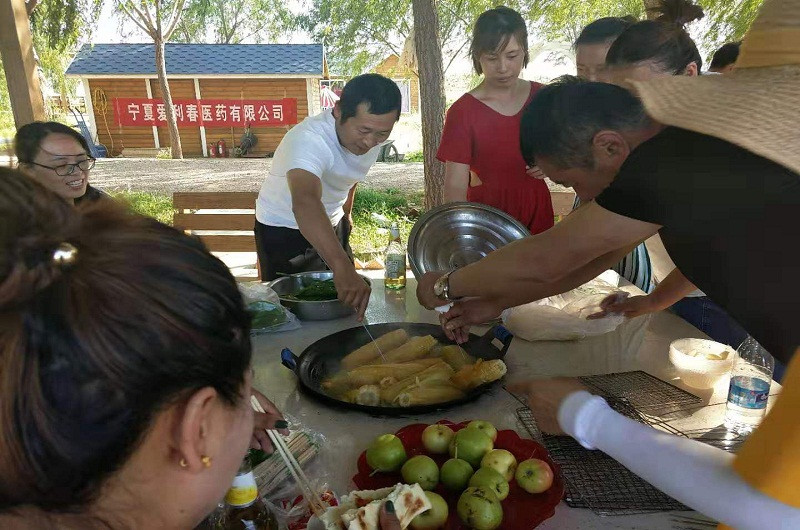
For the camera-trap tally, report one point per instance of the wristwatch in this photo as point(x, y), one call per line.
point(442, 287)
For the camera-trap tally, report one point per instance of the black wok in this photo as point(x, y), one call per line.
point(322, 359)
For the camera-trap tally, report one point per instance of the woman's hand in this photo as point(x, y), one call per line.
point(272, 419)
point(535, 172)
point(545, 397)
point(630, 307)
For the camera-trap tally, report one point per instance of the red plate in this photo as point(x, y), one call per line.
point(521, 510)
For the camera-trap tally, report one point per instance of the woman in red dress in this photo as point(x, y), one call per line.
point(480, 143)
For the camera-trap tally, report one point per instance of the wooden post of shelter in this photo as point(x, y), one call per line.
point(19, 63)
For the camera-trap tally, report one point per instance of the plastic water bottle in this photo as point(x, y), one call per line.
point(751, 377)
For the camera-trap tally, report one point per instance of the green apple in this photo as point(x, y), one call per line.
point(534, 475)
point(487, 428)
point(480, 509)
point(470, 445)
point(386, 453)
point(433, 518)
point(455, 474)
point(421, 470)
point(490, 479)
point(436, 438)
point(501, 461)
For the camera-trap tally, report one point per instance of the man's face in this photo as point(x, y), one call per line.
point(609, 151)
point(362, 132)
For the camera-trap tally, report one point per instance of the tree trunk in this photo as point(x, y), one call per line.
point(432, 102)
point(166, 95)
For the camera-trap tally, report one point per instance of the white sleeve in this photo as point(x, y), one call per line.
point(306, 151)
point(696, 474)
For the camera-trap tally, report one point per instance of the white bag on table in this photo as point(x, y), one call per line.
point(563, 317)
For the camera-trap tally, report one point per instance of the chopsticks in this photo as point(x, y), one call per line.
point(307, 489)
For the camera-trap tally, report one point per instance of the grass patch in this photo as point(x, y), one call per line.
point(414, 156)
point(156, 205)
point(369, 237)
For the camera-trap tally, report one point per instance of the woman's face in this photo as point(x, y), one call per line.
point(590, 60)
point(51, 165)
point(503, 66)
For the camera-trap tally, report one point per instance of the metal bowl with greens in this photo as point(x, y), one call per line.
point(311, 295)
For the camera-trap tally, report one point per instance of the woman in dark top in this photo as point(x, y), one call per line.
point(56, 156)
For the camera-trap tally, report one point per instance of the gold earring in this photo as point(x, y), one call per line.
point(206, 460)
point(183, 462)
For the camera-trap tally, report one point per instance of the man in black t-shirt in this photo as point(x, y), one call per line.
point(728, 217)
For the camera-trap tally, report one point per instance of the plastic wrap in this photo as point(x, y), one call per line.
point(269, 315)
point(564, 316)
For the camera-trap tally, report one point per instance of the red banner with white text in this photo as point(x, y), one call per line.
point(207, 112)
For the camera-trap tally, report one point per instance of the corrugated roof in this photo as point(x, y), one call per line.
point(199, 59)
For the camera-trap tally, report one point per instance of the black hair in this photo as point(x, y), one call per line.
point(663, 41)
point(726, 55)
point(381, 94)
point(29, 138)
point(94, 349)
point(493, 31)
point(604, 30)
point(564, 116)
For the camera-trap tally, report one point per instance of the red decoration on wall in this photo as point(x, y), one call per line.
point(207, 112)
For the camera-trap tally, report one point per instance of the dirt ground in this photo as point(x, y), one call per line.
point(226, 174)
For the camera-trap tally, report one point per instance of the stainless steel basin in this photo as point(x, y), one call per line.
point(459, 233)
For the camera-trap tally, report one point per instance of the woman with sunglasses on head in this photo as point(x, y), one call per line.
point(58, 157)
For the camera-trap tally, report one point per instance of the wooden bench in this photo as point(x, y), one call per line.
point(140, 152)
point(204, 213)
point(199, 213)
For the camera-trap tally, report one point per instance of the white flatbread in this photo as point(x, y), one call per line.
point(409, 501)
point(353, 514)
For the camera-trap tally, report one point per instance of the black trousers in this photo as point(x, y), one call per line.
point(285, 250)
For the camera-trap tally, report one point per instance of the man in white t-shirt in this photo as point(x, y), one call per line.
point(303, 211)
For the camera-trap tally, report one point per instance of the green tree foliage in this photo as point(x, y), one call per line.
point(226, 22)
point(60, 25)
point(562, 20)
point(728, 20)
point(359, 33)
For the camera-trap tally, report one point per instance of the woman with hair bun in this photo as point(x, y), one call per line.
point(646, 50)
point(126, 381)
point(657, 47)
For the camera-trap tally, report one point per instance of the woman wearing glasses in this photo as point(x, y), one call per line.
point(57, 157)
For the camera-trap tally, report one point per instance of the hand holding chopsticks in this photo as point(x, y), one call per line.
point(270, 419)
point(307, 489)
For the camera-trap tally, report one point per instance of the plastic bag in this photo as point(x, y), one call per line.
point(283, 495)
point(269, 316)
point(563, 317)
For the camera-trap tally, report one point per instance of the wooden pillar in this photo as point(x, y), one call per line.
point(19, 64)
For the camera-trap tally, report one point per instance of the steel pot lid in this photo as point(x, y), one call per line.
point(456, 234)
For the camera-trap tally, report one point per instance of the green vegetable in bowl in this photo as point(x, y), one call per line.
point(266, 314)
point(315, 291)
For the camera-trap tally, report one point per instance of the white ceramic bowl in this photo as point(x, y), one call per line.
point(700, 362)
